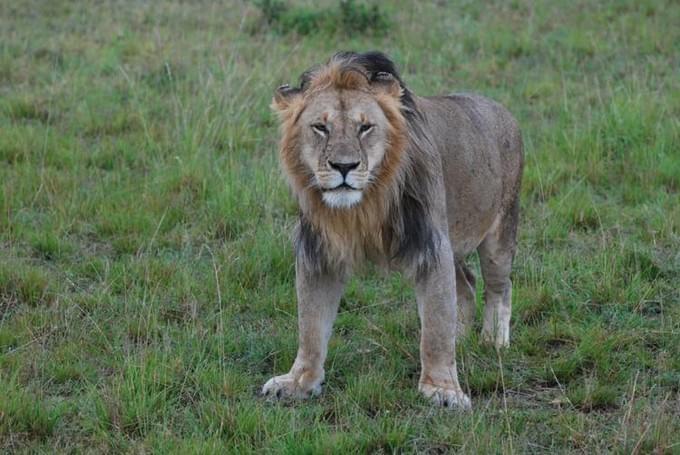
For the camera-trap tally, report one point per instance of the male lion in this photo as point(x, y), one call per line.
point(407, 182)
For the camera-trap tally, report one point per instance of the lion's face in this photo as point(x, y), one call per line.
point(343, 138)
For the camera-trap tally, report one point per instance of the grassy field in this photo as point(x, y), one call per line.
point(146, 268)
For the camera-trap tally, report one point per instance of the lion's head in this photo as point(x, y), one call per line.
point(342, 131)
point(345, 134)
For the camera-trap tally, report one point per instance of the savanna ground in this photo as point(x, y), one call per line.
point(146, 271)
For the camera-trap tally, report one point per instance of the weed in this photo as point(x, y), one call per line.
point(348, 17)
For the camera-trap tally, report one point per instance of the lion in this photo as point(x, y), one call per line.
point(409, 183)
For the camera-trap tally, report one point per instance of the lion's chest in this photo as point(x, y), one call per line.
point(354, 244)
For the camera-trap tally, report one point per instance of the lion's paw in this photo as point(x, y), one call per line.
point(287, 386)
point(446, 397)
point(499, 338)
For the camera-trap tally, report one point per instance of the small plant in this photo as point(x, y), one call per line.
point(272, 10)
point(303, 21)
point(347, 17)
point(358, 17)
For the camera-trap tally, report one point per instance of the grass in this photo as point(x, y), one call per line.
point(146, 272)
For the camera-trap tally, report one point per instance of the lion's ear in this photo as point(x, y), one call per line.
point(386, 83)
point(284, 97)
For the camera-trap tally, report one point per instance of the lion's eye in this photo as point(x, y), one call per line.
point(365, 128)
point(320, 128)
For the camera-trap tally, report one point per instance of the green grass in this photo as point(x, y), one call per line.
point(146, 272)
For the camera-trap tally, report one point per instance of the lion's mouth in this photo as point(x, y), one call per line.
point(343, 186)
point(342, 196)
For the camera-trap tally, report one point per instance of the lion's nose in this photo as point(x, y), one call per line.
point(343, 168)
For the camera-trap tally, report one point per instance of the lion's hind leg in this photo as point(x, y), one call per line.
point(496, 253)
point(465, 293)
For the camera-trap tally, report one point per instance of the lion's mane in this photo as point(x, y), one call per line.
point(395, 218)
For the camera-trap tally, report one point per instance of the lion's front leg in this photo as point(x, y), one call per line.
point(318, 300)
point(436, 296)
